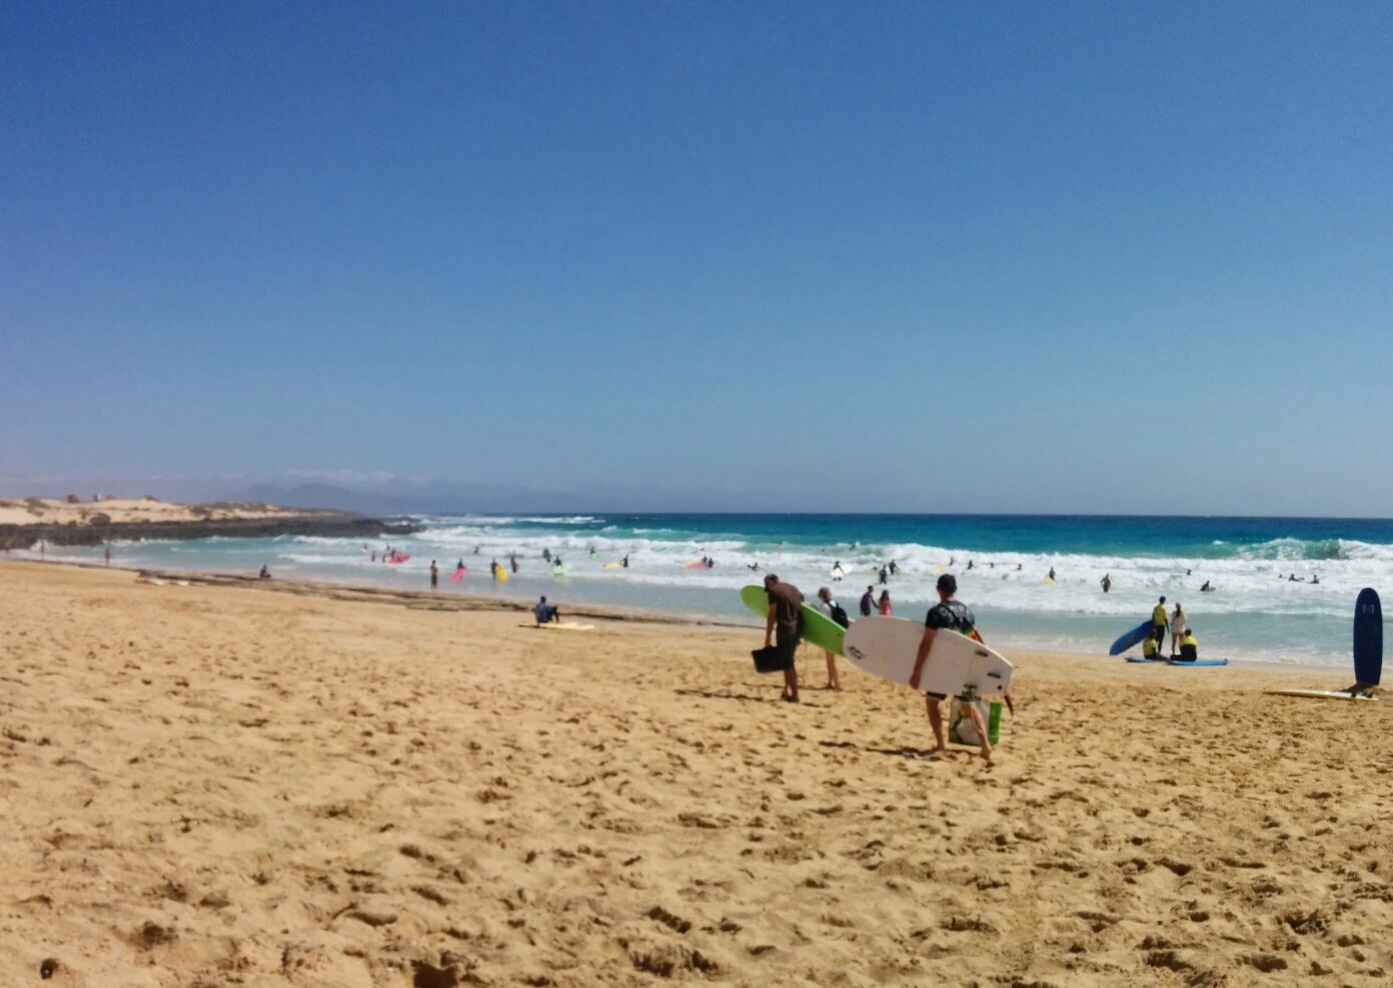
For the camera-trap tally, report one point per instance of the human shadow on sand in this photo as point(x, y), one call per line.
point(746, 697)
point(904, 752)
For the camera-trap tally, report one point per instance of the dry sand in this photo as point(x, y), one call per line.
point(50, 511)
point(207, 786)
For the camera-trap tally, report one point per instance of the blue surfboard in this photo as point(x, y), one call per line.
point(1368, 638)
point(1137, 634)
point(1197, 662)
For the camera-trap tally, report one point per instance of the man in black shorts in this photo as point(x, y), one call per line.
point(952, 615)
point(785, 616)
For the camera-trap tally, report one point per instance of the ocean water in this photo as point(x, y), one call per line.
point(1255, 613)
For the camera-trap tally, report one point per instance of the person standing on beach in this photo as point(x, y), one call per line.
point(785, 618)
point(107, 554)
point(1177, 628)
point(1159, 620)
point(828, 606)
point(868, 601)
point(950, 615)
point(434, 575)
point(883, 607)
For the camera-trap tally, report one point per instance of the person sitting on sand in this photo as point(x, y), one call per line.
point(546, 613)
point(265, 573)
point(1189, 648)
point(947, 615)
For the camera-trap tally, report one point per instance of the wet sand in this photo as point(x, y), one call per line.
point(221, 785)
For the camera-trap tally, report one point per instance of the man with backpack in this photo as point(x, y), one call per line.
point(837, 613)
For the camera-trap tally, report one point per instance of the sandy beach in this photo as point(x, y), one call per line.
point(214, 785)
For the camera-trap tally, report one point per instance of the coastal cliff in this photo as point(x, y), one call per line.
point(23, 524)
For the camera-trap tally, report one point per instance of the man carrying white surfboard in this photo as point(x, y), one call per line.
point(947, 615)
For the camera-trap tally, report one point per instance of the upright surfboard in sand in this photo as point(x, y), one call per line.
point(886, 647)
point(818, 628)
point(1133, 637)
point(1368, 653)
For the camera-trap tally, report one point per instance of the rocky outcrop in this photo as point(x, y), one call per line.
point(101, 529)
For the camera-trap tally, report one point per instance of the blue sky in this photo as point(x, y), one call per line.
point(1008, 257)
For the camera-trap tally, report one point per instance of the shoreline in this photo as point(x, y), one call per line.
point(462, 602)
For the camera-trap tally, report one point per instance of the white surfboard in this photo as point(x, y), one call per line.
point(1321, 694)
point(886, 647)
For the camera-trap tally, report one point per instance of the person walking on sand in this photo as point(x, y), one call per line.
point(868, 601)
point(828, 606)
point(786, 619)
point(434, 575)
point(883, 607)
point(1158, 624)
point(947, 615)
point(1177, 628)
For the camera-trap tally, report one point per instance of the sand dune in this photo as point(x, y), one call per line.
point(208, 786)
point(52, 511)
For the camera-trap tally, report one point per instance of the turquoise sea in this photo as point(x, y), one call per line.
point(1256, 611)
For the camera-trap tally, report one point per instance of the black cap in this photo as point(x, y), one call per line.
point(948, 583)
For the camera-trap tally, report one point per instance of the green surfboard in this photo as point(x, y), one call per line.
point(818, 629)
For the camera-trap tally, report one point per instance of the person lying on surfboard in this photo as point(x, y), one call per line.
point(947, 615)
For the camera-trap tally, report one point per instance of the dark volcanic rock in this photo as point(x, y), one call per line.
point(328, 524)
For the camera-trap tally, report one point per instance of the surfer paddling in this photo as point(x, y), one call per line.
point(952, 615)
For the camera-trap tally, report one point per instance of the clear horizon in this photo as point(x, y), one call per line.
point(793, 258)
